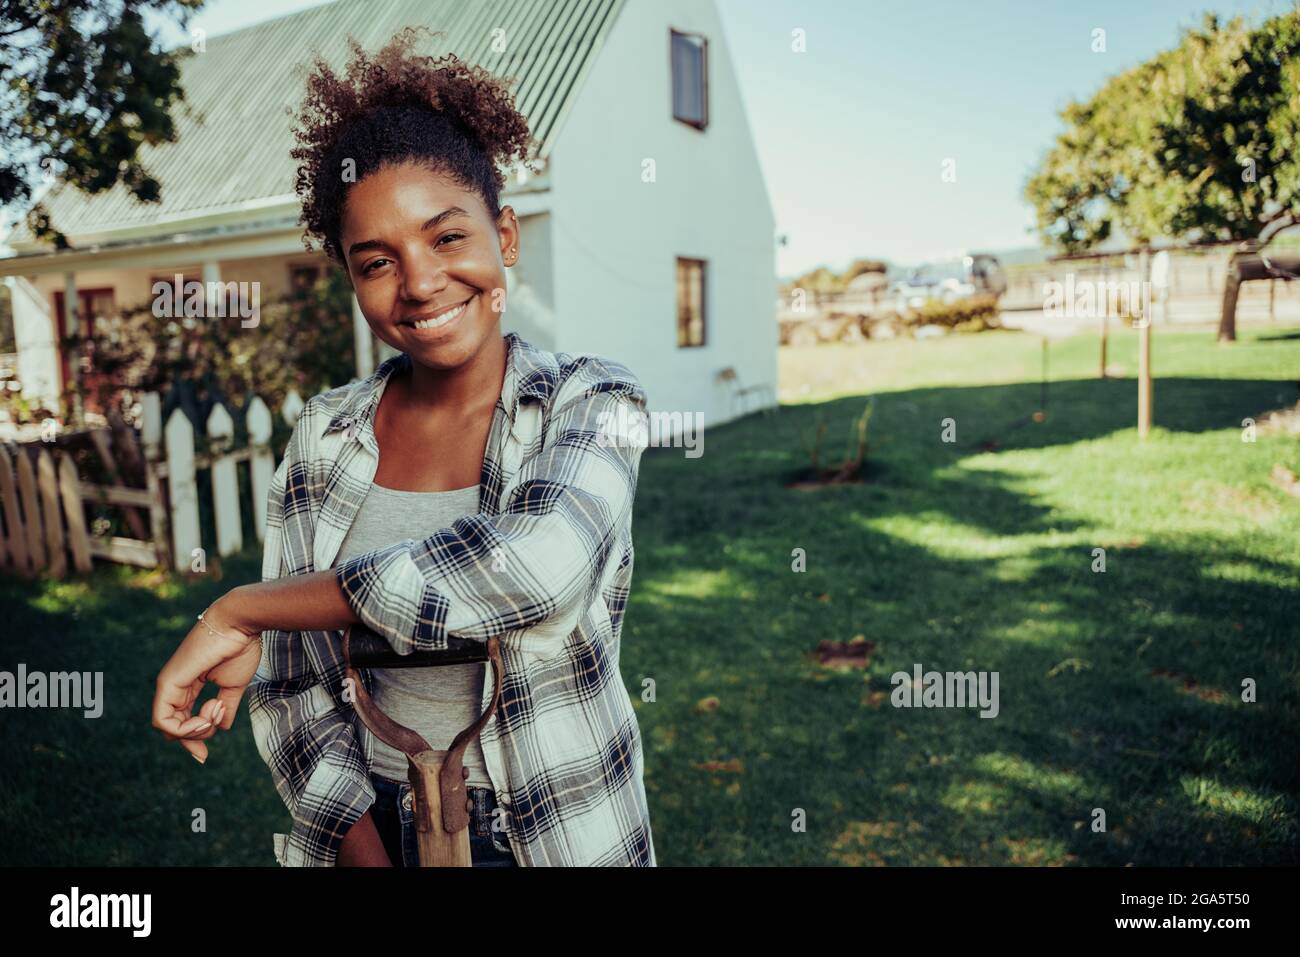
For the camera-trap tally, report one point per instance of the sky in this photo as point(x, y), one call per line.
point(854, 134)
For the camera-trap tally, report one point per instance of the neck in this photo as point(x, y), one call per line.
point(475, 383)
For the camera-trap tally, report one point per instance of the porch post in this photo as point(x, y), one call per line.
point(211, 292)
point(71, 327)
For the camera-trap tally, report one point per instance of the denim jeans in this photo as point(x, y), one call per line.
point(395, 822)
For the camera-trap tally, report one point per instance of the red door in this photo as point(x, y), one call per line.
point(92, 304)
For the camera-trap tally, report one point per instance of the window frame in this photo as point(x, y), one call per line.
point(704, 301)
point(673, 34)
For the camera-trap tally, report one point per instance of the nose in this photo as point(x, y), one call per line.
point(422, 276)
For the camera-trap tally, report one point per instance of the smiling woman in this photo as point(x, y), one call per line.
point(473, 487)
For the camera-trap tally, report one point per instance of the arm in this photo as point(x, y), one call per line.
point(484, 575)
point(536, 562)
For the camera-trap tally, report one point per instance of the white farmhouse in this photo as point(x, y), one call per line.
point(648, 235)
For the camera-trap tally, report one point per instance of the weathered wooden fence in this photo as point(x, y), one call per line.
point(42, 497)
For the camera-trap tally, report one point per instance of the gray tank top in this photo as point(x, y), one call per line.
point(440, 702)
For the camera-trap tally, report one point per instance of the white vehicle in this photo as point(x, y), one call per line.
point(950, 280)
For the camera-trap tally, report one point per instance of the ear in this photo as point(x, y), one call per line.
point(508, 234)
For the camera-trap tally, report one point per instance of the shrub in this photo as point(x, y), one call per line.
point(972, 314)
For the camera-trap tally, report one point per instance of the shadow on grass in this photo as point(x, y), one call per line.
point(1118, 691)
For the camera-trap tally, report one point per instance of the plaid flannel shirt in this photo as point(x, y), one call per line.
point(546, 566)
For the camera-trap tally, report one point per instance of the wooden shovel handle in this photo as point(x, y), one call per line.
point(425, 765)
point(455, 809)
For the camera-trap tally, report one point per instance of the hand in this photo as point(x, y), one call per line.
point(229, 659)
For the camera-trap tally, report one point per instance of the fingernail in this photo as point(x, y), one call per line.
point(196, 757)
point(204, 726)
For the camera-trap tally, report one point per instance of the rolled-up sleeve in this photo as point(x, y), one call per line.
point(538, 562)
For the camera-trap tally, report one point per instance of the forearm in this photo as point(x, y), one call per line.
point(311, 602)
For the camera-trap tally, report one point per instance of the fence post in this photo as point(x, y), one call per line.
point(292, 407)
point(6, 560)
point(71, 493)
point(225, 483)
point(31, 511)
point(182, 488)
point(16, 537)
point(261, 464)
point(49, 492)
point(151, 437)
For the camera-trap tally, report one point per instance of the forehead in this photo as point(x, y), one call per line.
point(405, 194)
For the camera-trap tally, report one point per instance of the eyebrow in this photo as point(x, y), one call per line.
point(433, 223)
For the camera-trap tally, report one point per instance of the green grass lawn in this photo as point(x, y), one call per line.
point(1118, 690)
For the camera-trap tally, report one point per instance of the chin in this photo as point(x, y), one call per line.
point(452, 354)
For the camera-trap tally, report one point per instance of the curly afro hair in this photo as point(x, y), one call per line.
point(458, 119)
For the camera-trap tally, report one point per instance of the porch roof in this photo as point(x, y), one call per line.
point(231, 163)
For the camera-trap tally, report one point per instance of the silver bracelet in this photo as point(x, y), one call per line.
point(247, 639)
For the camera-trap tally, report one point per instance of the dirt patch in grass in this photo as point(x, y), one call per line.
point(854, 653)
point(1189, 685)
point(807, 480)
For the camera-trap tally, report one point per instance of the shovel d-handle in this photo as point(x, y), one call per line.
point(440, 802)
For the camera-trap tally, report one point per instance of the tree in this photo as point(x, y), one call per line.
point(85, 90)
point(1199, 144)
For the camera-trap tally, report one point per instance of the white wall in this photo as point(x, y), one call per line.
point(616, 238)
point(530, 285)
point(35, 337)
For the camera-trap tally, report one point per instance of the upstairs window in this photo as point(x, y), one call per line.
point(690, 78)
point(690, 302)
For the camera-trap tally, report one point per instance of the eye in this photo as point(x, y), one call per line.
point(452, 236)
point(372, 264)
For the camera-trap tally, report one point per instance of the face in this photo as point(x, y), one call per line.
point(427, 262)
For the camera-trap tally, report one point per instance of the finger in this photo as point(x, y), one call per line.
point(209, 717)
point(179, 724)
point(196, 748)
point(230, 698)
point(172, 702)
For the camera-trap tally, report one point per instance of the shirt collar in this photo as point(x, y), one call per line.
point(530, 373)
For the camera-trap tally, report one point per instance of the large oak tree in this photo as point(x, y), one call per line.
point(1198, 144)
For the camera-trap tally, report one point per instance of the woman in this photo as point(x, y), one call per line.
point(473, 486)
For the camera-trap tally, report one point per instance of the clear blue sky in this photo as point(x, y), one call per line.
point(852, 134)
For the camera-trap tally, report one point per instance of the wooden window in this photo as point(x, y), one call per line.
point(691, 316)
point(689, 55)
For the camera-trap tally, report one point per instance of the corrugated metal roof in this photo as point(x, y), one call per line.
point(233, 142)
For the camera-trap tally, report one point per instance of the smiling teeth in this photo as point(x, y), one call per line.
point(441, 319)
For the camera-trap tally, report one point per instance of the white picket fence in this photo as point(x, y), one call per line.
point(42, 505)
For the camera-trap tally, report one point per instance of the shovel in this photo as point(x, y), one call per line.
point(440, 802)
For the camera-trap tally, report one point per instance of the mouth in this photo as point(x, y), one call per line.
point(437, 322)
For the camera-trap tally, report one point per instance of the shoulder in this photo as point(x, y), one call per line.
point(562, 377)
point(345, 402)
